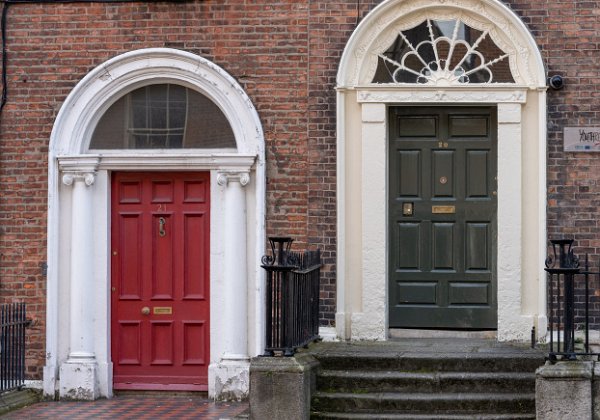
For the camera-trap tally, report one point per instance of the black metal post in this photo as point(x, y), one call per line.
point(567, 269)
point(292, 297)
point(587, 304)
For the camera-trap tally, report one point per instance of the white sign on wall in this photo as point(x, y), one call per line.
point(582, 139)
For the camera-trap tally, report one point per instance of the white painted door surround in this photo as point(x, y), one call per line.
point(362, 132)
point(78, 360)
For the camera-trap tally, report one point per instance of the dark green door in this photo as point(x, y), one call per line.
point(442, 217)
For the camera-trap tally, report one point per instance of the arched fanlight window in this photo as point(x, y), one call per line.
point(163, 116)
point(443, 53)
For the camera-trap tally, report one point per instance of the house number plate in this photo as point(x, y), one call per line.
point(163, 310)
point(443, 209)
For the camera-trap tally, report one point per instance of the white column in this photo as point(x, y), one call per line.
point(236, 278)
point(229, 379)
point(78, 373)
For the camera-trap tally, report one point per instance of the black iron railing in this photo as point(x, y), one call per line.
point(13, 321)
point(561, 302)
point(292, 301)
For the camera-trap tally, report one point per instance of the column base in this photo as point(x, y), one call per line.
point(368, 326)
point(229, 380)
point(50, 381)
point(79, 380)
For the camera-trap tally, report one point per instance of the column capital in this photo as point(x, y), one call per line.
point(225, 177)
point(88, 178)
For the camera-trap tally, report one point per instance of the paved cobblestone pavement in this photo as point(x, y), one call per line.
point(147, 407)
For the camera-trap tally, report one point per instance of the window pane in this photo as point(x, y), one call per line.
point(164, 116)
point(443, 52)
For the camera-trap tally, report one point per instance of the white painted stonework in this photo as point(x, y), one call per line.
point(78, 359)
point(362, 131)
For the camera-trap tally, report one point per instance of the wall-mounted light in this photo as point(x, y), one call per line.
point(556, 82)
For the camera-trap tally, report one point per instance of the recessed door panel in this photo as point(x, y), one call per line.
point(417, 126)
point(469, 126)
point(477, 174)
point(194, 191)
point(443, 173)
point(444, 245)
point(130, 337)
point(130, 192)
point(409, 238)
point(130, 257)
point(409, 173)
point(162, 339)
point(417, 293)
point(462, 293)
point(160, 280)
point(477, 247)
point(195, 264)
point(193, 343)
point(442, 217)
point(162, 191)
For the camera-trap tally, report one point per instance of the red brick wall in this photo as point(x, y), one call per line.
point(264, 45)
point(285, 54)
point(568, 37)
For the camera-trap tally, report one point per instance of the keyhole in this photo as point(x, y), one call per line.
point(161, 226)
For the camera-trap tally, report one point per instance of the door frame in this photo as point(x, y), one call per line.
point(79, 195)
point(362, 259)
point(371, 322)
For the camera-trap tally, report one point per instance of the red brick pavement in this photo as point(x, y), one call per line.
point(142, 407)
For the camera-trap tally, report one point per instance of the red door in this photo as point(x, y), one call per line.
point(160, 280)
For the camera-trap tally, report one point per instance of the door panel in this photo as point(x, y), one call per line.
point(443, 246)
point(442, 211)
point(160, 265)
point(409, 176)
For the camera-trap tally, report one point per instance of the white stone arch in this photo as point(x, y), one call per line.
point(380, 27)
point(362, 132)
point(79, 195)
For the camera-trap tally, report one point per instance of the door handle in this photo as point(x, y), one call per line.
point(145, 310)
point(161, 226)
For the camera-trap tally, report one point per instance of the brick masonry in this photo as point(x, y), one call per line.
point(285, 54)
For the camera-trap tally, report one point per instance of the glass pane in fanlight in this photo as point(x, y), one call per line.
point(163, 116)
point(443, 50)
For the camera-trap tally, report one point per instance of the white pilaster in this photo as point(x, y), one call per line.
point(78, 374)
point(371, 322)
point(229, 378)
point(512, 325)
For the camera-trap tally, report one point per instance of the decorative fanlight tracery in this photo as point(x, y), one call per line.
point(443, 53)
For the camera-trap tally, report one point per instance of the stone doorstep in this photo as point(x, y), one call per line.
point(16, 399)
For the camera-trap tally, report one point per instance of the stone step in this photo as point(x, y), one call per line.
point(390, 416)
point(429, 363)
point(355, 381)
point(424, 403)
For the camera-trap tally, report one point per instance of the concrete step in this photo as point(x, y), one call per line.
point(424, 403)
point(355, 381)
point(429, 363)
point(388, 416)
point(13, 400)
